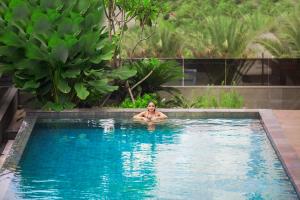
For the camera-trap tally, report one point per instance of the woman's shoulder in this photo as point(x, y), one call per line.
point(158, 113)
point(144, 112)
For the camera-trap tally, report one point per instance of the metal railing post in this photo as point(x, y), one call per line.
point(262, 69)
point(182, 71)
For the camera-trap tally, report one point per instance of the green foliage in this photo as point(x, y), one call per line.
point(162, 72)
point(226, 37)
point(121, 13)
point(144, 11)
point(231, 99)
point(178, 101)
point(141, 101)
point(287, 37)
point(162, 42)
point(210, 29)
point(206, 101)
point(57, 50)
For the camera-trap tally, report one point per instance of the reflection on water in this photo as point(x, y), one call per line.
point(177, 159)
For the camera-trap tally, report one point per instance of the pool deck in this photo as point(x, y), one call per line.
point(289, 121)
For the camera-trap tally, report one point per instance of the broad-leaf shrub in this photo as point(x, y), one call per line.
point(230, 99)
point(57, 50)
point(162, 73)
point(140, 102)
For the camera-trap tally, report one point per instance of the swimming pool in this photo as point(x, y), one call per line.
point(115, 158)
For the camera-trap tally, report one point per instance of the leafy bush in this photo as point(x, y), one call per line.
point(140, 102)
point(57, 50)
point(231, 100)
point(162, 72)
point(287, 37)
point(224, 28)
point(164, 41)
point(206, 101)
point(178, 101)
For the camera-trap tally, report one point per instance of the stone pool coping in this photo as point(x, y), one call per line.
point(285, 152)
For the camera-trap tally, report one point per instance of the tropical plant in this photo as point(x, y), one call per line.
point(119, 13)
point(227, 37)
point(57, 50)
point(287, 37)
point(231, 99)
point(155, 74)
point(141, 101)
point(163, 41)
point(178, 101)
point(206, 101)
point(192, 21)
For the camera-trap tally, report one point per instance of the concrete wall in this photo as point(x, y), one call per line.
point(271, 97)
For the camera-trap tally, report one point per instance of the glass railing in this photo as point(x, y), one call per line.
point(240, 72)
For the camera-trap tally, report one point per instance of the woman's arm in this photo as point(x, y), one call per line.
point(140, 116)
point(161, 116)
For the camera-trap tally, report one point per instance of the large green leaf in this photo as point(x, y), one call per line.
point(31, 67)
point(46, 45)
point(102, 57)
point(48, 5)
point(81, 91)
point(53, 14)
point(123, 73)
point(42, 25)
point(20, 11)
point(53, 106)
point(72, 73)
point(88, 42)
point(63, 86)
point(34, 52)
point(55, 40)
point(103, 43)
point(10, 38)
point(70, 40)
point(98, 73)
point(102, 86)
point(60, 53)
point(31, 84)
point(83, 6)
point(66, 27)
point(5, 50)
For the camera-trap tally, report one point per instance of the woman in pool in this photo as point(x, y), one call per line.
point(151, 114)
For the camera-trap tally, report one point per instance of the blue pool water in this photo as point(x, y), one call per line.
point(180, 159)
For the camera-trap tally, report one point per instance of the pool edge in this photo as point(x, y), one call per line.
point(15, 154)
point(285, 152)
